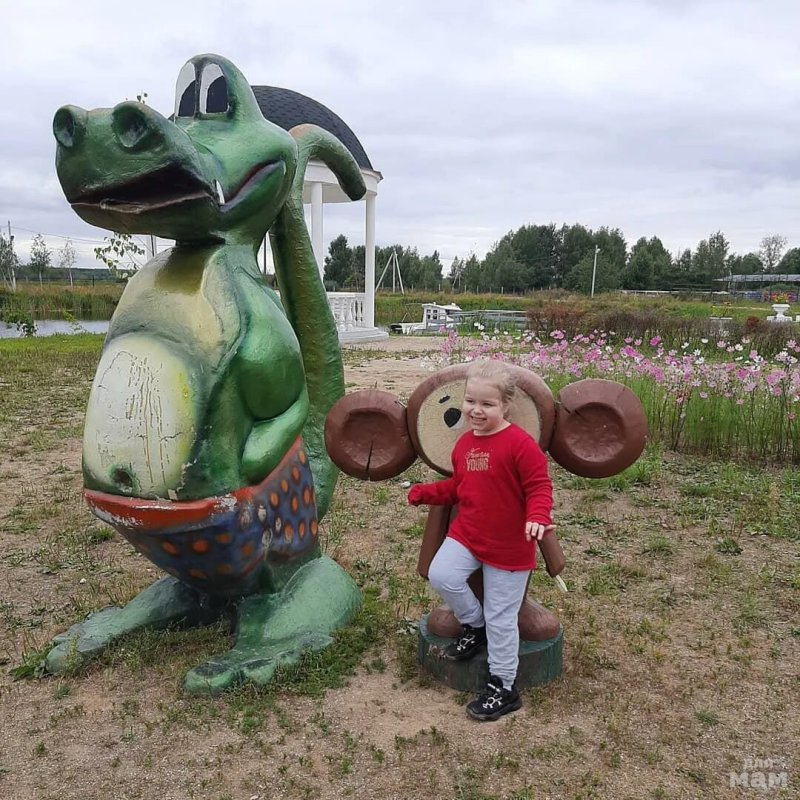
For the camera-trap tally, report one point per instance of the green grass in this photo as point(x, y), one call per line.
point(60, 301)
point(51, 375)
point(171, 653)
point(610, 579)
point(659, 545)
point(728, 546)
point(561, 306)
point(708, 718)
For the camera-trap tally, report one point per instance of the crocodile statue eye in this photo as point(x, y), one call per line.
point(185, 92)
point(213, 91)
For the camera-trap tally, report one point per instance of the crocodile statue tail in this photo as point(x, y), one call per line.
point(304, 299)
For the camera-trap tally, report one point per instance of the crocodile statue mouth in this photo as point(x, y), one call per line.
point(169, 187)
point(163, 188)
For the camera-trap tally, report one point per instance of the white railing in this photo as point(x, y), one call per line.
point(347, 309)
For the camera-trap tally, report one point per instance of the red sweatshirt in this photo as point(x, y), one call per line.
point(500, 482)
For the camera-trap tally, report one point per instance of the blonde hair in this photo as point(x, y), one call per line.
point(497, 373)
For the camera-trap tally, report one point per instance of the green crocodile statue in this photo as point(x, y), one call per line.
point(203, 442)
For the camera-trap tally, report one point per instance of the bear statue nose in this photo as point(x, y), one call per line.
point(69, 125)
point(134, 125)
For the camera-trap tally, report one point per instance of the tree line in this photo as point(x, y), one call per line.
point(345, 266)
point(529, 258)
point(119, 252)
point(548, 257)
point(40, 266)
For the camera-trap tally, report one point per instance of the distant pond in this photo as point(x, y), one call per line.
point(50, 327)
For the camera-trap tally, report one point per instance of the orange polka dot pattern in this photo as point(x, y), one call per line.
point(220, 554)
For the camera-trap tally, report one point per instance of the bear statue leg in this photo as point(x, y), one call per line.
point(277, 629)
point(166, 602)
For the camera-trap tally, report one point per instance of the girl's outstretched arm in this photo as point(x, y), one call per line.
point(438, 493)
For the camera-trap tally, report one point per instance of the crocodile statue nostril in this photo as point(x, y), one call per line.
point(131, 125)
point(68, 124)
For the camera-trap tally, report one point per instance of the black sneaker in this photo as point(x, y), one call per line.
point(468, 643)
point(494, 701)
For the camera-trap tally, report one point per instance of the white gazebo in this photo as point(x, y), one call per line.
point(354, 312)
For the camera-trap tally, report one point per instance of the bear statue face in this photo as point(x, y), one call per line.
point(595, 428)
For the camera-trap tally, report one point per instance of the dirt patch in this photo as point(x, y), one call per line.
point(681, 650)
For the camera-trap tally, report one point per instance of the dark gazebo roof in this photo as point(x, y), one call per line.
point(287, 109)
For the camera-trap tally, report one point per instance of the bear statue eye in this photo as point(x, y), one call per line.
point(185, 92)
point(213, 91)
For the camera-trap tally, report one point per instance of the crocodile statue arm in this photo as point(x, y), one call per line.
point(301, 289)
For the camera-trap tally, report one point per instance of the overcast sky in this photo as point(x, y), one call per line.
point(659, 117)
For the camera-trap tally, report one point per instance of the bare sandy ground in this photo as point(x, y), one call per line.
point(661, 698)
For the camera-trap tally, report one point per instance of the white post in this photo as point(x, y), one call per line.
point(594, 268)
point(399, 274)
point(316, 226)
point(369, 265)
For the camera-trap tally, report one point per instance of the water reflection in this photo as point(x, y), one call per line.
point(50, 327)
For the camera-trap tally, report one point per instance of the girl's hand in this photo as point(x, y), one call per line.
point(535, 530)
point(415, 496)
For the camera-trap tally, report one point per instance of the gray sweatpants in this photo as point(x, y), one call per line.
point(503, 593)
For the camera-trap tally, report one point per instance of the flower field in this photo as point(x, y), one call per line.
point(714, 396)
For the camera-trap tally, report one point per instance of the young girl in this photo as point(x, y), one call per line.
point(505, 498)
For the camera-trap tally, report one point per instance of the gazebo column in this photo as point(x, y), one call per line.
point(369, 265)
point(316, 226)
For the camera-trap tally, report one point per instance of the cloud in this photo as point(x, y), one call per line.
point(673, 119)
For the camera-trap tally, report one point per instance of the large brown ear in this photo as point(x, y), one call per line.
point(366, 435)
point(434, 413)
point(601, 428)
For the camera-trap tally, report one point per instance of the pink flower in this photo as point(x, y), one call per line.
point(773, 378)
point(655, 341)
